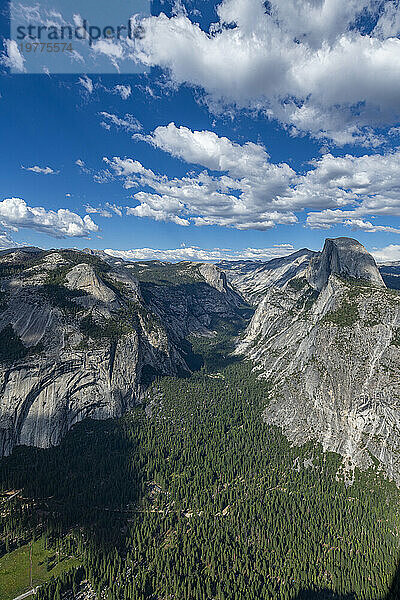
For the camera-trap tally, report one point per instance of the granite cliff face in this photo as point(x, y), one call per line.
point(187, 297)
point(82, 337)
point(346, 257)
point(329, 342)
point(253, 278)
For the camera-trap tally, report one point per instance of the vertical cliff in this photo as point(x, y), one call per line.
point(330, 344)
point(81, 336)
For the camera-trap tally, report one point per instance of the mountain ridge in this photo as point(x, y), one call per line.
point(331, 351)
point(83, 337)
point(89, 331)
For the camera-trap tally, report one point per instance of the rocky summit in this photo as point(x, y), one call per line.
point(329, 342)
point(346, 257)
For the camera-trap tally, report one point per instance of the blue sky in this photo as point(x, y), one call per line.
point(271, 131)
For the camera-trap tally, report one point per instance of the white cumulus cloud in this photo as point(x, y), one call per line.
point(237, 185)
point(390, 253)
point(86, 83)
point(206, 148)
point(240, 195)
point(128, 122)
point(6, 241)
point(349, 188)
point(62, 223)
point(307, 64)
point(123, 90)
point(194, 253)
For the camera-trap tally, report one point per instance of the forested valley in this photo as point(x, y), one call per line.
point(190, 496)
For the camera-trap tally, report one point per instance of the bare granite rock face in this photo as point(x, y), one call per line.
point(343, 256)
point(252, 278)
point(83, 277)
point(214, 277)
point(194, 297)
point(332, 355)
point(81, 337)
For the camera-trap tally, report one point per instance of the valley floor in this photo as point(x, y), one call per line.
point(29, 566)
point(192, 496)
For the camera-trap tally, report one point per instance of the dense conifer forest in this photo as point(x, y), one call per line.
point(192, 497)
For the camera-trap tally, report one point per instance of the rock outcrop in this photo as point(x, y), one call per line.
point(84, 278)
point(215, 277)
point(332, 354)
point(253, 278)
point(343, 256)
point(188, 297)
point(81, 337)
